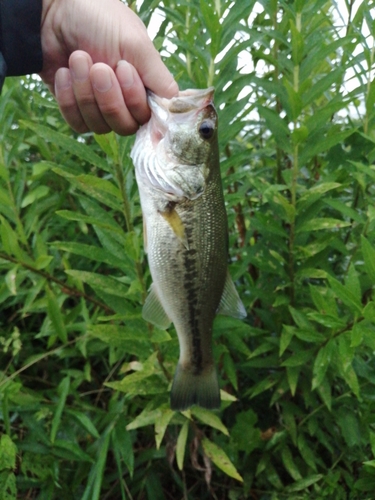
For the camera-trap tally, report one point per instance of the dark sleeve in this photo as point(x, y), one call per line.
point(20, 45)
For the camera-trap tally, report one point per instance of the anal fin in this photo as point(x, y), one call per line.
point(153, 312)
point(231, 304)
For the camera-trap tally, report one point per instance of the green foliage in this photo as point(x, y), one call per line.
point(84, 381)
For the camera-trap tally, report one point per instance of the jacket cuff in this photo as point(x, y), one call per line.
point(20, 42)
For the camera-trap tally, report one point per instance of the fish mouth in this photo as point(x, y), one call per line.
point(186, 101)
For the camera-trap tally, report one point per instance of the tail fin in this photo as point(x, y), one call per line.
point(189, 389)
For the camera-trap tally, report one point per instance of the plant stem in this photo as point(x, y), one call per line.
point(125, 202)
point(128, 221)
point(295, 172)
point(369, 81)
point(279, 177)
point(188, 58)
point(18, 222)
point(211, 73)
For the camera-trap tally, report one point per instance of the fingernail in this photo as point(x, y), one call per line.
point(80, 69)
point(102, 80)
point(125, 74)
point(63, 79)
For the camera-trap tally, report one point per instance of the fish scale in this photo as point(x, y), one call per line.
point(177, 168)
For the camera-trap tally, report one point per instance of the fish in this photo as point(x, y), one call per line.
point(176, 160)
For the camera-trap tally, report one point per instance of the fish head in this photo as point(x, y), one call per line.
point(172, 151)
point(187, 125)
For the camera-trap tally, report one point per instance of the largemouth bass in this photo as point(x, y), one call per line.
point(176, 159)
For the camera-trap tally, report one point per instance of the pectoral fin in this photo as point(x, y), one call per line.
point(231, 304)
point(175, 222)
point(153, 311)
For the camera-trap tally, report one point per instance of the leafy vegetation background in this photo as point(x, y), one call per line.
point(84, 381)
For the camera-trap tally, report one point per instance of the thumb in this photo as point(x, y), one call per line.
point(154, 74)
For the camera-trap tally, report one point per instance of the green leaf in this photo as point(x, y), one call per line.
point(10, 280)
point(8, 451)
point(321, 85)
point(322, 362)
point(63, 392)
point(93, 489)
point(292, 373)
point(147, 417)
point(212, 22)
point(220, 459)
point(290, 465)
point(356, 335)
point(300, 358)
point(43, 261)
point(116, 335)
point(310, 335)
point(8, 485)
point(91, 252)
point(100, 189)
point(314, 147)
point(300, 319)
point(325, 392)
point(352, 381)
point(181, 444)
point(85, 422)
point(347, 296)
point(70, 451)
point(67, 144)
point(307, 452)
point(287, 334)
point(209, 418)
point(327, 320)
point(105, 283)
point(294, 103)
point(277, 126)
point(317, 190)
point(346, 211)
point(368, 253)
point(264, 385)
point(151, 384)
point(162, 424)
point(123, 447)
point(369, 311)
point(55, 315)
point(11, 242)
point(317, 224)
point(302, 484)
point(348, 422)
point(36, 194)
point(159, 336)
point(297, 44)
point(109, 144)
point(108, 224)
point(225, 396)
point(230, 370)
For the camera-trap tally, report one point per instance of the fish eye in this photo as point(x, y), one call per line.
point(206, 129)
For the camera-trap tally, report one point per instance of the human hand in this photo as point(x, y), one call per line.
point(98, 59)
